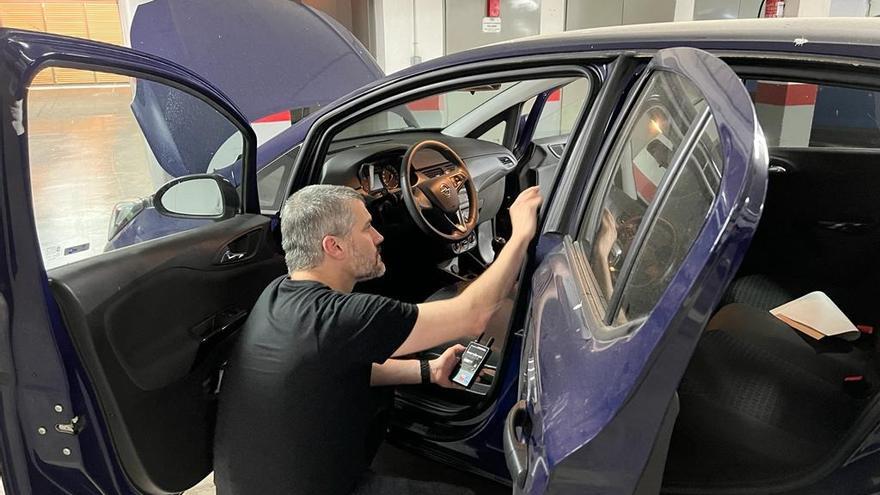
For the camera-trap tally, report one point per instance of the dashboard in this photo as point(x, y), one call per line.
point(378, 176)
point(371, 165)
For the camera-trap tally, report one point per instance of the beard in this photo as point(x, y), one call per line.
point(368, 266)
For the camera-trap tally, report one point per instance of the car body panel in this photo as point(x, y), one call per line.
point(567, 414)
point(268, 56)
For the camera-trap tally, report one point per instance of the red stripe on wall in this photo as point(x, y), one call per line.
point(555, 96)
point(645, 188)
point(428, 103)
point(275, 117)
point(786, 94)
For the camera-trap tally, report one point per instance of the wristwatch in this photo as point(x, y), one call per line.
point(425, 368)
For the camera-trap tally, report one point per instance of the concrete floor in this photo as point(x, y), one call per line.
point(393, 461)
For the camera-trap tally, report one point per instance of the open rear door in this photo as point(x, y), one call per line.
point(619, 302)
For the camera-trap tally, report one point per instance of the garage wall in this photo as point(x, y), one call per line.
point(464, 22)
point(582, 14)
point(96, 20)
point(356, 15)
point(726, 9)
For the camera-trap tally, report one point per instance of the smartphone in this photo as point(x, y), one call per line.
point(472, 361)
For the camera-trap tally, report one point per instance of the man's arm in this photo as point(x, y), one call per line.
point(467, 314)
point(408, 371)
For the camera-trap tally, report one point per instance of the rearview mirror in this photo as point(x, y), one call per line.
point(197, 196)
point(484, 87)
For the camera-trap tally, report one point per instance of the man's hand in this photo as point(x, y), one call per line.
point(524, 213)
point(442, 367)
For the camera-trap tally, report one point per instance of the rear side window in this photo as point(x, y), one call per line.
point(653, 197)
point(639, 163)
point(679, 219)
point(798, 115)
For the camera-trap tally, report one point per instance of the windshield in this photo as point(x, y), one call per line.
point(432, 112)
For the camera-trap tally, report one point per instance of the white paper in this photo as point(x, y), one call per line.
point(818, 313)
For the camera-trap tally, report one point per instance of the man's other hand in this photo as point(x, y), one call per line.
point(524, 213)
point(441, 368)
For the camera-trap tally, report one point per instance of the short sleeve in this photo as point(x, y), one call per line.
point(368, 328)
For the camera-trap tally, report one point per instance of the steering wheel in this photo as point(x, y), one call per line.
point(440, 194)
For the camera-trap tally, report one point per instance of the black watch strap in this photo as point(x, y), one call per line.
point(425, 369)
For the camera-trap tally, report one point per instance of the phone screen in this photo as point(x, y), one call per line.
point(471, 361)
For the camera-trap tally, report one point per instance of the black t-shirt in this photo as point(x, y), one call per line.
point(294, 404)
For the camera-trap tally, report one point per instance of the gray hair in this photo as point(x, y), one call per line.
point(308, 216)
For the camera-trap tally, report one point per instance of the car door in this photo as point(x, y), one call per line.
point(626, 284)
point(109, 361)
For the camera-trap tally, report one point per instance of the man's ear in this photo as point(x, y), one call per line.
point(332, 248)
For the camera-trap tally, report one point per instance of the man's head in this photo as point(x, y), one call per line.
point(329, 226)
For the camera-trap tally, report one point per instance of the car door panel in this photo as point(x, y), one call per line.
point(109, 384)
point(599, 401)
point(139, 328)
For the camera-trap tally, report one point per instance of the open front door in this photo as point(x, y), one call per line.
point(619, 302)
point(109, 360)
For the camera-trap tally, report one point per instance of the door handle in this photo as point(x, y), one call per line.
point(231, 257)
point(516, 451)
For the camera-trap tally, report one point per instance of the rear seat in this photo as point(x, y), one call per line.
point(759, 291)
point(760, 400)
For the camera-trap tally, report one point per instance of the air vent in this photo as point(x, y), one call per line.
point(557, 149)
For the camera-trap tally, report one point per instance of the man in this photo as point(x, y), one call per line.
point(294, 410)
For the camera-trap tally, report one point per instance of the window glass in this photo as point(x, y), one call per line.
point(272, 181)
point(562, 109)
point(98, 153)
point(678, 221)
point(430, 112)
point(496, 133)
point(816, 115)
point(638, 164)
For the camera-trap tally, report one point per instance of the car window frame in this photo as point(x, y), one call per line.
point(679, 161)
point(604, 310)
point(246, 190)
point(317, 143)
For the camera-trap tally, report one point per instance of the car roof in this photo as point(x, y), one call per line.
point(849, 30)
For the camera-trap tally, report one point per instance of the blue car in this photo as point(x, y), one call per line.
point(691, 185)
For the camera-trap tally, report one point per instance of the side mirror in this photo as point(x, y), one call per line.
point(207, 196)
